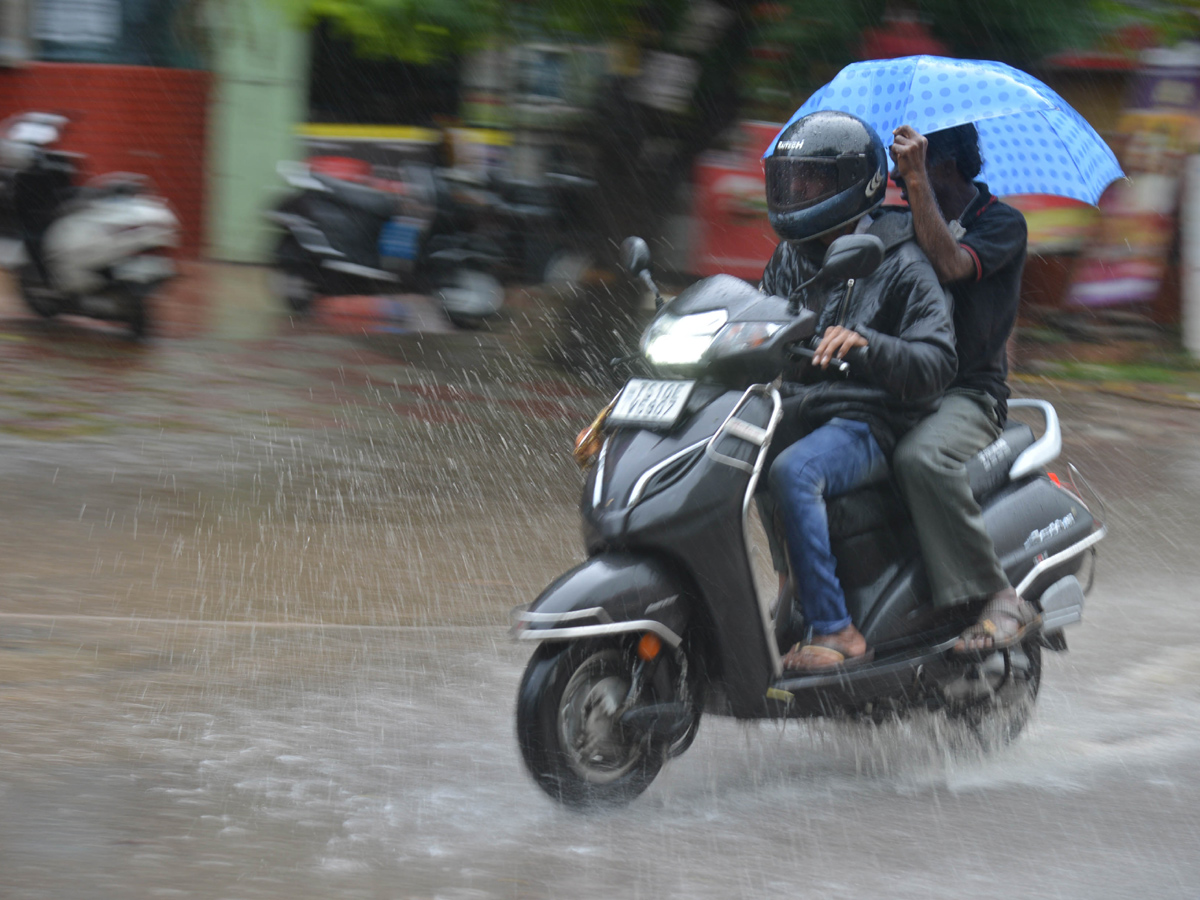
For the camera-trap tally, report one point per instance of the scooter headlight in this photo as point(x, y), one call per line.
point(682, 340)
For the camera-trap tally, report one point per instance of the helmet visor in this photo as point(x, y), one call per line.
point(794, 184)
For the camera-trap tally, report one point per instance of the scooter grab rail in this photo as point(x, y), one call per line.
point(1046, 448)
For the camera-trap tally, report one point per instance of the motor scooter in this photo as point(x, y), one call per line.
point(97, 249)
point(542, 228)
point(342, 237)
point(664, 621)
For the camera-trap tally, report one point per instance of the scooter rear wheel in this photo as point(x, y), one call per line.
point(1006, 688)
point(568, 729)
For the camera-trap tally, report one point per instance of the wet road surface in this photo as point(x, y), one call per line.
point(253, 603)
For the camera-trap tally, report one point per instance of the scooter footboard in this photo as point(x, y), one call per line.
point(612, 593)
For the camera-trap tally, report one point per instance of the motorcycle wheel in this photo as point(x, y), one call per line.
point(293, 279)
point(37, 294)
point(468, 296)
point(1000, 695)
point(567, 727)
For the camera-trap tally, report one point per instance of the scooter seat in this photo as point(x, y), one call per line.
point(877, 505)
point(870, 508)
point(377, 203)
point(988, 469)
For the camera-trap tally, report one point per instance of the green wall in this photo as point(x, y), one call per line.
point(260, 94)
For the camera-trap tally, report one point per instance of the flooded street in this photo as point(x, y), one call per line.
point(254, 598)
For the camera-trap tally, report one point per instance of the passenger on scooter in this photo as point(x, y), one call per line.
point(827, 177)
point(977, 247)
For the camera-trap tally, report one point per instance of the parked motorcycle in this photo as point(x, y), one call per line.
point(97, 249)
point(664, 622)
point(541, 228)
point(343, 237)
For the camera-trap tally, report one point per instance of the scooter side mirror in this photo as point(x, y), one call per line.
point(635, 255)
point(852, 256)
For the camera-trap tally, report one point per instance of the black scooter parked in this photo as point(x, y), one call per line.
point(342, 237)
point(664, 622)
point(541, 228)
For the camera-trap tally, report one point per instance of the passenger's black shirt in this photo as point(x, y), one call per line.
point(985, 304)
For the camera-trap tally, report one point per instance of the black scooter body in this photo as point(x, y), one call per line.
point(665, 523)
point(688, 527)
point(351, 230)
point(691, 514)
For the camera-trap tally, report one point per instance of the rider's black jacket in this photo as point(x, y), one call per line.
point(906, 317)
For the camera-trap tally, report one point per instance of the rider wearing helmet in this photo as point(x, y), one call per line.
point(826, 175)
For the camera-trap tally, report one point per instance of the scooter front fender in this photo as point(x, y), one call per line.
point(611, 593)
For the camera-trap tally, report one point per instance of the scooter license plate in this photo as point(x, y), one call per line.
point(651, 403)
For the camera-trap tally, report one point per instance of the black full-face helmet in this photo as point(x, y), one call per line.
point(826, 170)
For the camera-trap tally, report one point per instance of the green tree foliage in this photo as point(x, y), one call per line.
point(812, 39)
point(816, 38)
point(1172, 20)
point(817, 35)
point(410, 30)
point(425, 30)
point(1018, 32)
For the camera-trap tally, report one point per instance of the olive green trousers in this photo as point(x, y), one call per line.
point(929, 467)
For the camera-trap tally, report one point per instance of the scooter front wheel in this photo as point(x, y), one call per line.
point(568, 726)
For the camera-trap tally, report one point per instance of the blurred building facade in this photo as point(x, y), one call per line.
point(260, 66)
point(92, 60)
point(203, 99)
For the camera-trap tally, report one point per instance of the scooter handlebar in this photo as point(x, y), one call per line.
point(838, 365)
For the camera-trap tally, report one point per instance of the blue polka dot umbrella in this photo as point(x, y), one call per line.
point(1032, 141)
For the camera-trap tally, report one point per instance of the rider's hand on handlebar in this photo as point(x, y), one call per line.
point(837, 341)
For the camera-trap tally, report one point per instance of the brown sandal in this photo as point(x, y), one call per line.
point(811, 659)
point(824, 653)
point(1005, 621)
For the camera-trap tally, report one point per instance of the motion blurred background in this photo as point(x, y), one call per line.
point(664, 105)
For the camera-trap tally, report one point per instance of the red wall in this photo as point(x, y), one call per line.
point(130, 119)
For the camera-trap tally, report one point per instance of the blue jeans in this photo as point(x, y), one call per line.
point(828, 462)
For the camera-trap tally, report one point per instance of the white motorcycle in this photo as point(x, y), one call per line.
point(97, 249)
